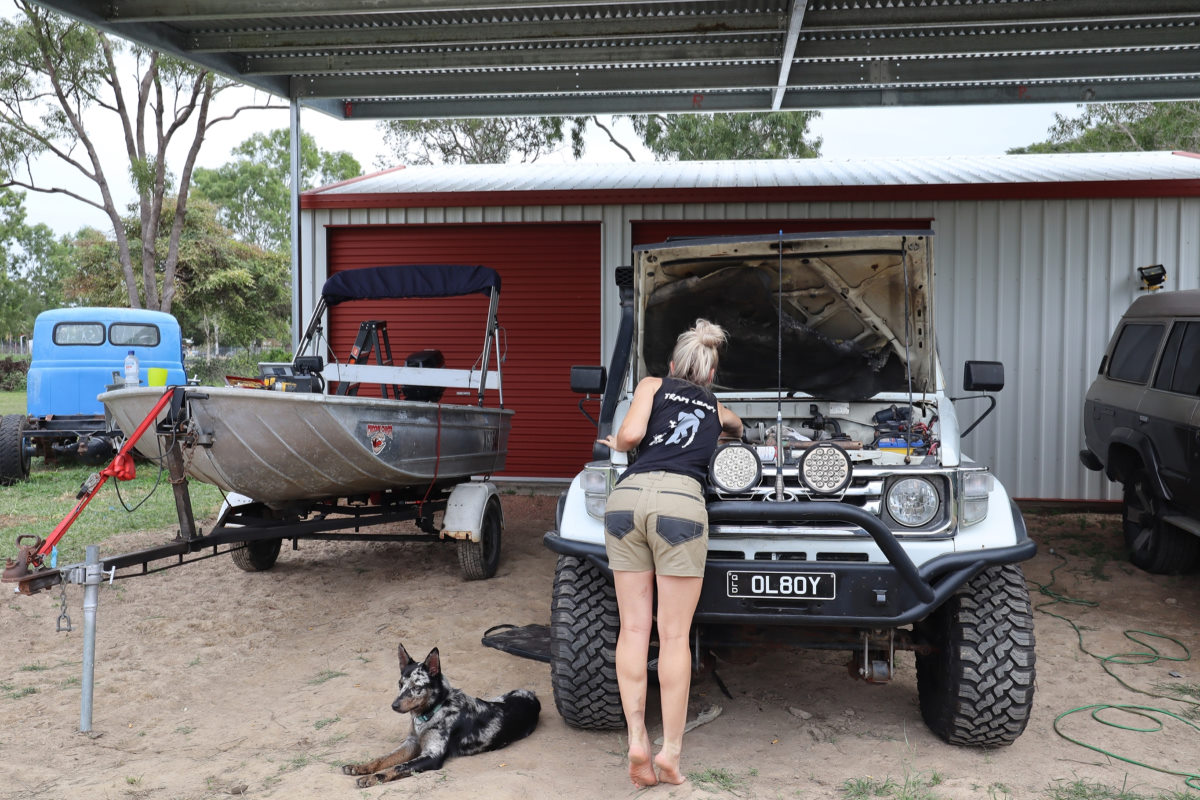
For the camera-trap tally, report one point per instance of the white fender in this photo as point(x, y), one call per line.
point(464, 510)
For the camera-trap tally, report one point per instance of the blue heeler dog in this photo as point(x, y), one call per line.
point(446, 722)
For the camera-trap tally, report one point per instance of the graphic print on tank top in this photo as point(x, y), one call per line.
point(682, 430)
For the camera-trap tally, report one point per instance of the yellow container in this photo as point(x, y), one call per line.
point(156, 376)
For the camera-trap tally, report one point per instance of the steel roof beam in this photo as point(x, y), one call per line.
point(832, 15)
point(795, 21)
point(795, 100)
point(130, 11)
point(642, 56)
point(472, 34)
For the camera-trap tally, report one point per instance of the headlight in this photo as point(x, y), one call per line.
point(825, 469)
point(976, 487)
point(912, 502)
point(734, 468)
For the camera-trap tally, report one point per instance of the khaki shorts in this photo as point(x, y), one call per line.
point(657, 521)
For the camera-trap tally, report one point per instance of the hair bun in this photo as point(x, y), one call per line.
point(709, 334)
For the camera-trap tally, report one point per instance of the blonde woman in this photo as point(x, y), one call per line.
point(656, 533)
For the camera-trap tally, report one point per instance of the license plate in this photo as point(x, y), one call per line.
point(781, 585)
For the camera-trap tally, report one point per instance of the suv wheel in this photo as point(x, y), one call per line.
point(975, 685)
point(1154, 545)
point(584, 624)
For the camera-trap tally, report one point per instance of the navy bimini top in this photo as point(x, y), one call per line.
point(682, 431)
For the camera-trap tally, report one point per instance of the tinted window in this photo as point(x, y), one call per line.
point(129, 333)
point(1134, 354)
point(71, 333)
point(1180, 369)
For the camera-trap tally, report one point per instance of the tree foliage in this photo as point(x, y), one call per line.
point(32, 263)
point(57, 77)
point(719, 137)
point(229, 292)
point(253, 191)
point(1123, 127)
point(494, 140)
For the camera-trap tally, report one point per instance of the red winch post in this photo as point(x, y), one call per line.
point(121, 468)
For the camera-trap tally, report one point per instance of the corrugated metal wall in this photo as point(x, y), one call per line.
point(1038, 285)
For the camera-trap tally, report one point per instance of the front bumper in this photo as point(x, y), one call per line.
point(868, 594)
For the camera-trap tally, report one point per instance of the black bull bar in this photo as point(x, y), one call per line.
point(912, 592)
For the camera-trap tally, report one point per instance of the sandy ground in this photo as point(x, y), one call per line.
point(211, 682)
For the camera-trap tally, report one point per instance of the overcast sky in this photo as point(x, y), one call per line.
point(846, 133)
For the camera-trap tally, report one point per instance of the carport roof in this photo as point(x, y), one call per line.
point(475, 58)
point(1159, 174)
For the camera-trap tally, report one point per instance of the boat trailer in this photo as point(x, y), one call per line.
point(252, 532)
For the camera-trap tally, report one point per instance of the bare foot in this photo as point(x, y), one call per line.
point(668, 769)
point(641, 771)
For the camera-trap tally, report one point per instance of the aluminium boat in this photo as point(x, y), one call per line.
point(286, 437)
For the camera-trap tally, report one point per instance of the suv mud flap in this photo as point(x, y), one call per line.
point(875, 595)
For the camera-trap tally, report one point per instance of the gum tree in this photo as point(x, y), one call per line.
point(64, 87)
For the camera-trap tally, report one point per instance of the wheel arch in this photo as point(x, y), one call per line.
point(1128, 451)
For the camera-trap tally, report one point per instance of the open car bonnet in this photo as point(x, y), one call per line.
point(850, 316)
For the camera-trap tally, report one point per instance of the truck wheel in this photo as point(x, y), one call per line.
point(584, 624)
point(975, 685)
point(1154, 545)
point(14, 460)
point(479, 560)
point(258, 555)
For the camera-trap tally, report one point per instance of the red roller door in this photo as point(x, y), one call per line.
point(549, 310)
point(652, 232)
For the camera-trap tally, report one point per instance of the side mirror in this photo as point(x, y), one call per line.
point(983, 376)
point(588, 380)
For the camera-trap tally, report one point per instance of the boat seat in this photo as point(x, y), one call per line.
point(425, 359)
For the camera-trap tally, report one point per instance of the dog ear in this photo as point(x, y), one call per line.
point(433, 663)
point(405, 658)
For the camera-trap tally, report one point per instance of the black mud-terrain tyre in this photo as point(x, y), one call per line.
point(258, 555)
point(479, 560)
point(14, 459)
point(1154, 545)
point(584, 624)
point(975, 685)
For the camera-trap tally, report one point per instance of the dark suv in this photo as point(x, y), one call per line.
point(1141, 425)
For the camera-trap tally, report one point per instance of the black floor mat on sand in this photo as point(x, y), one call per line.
point(527, 641)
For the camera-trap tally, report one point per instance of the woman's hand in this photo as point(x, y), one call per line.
point(609, 441)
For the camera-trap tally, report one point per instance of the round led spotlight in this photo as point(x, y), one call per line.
point(912, 502)
point(825, 469)
point(734, 468)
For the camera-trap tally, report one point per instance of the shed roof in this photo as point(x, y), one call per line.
point(1056, 175)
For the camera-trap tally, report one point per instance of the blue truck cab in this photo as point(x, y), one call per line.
point(77, 354)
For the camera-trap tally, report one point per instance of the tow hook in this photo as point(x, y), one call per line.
point(874, 663)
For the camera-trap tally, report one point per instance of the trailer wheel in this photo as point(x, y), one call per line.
point(258, 555)
point(975, 686)
point(14, 459)
point(584, 624)
point(479, 560)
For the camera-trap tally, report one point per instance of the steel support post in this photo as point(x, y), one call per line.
point(93, 574)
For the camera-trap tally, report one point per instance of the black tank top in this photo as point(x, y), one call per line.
point(681, 433)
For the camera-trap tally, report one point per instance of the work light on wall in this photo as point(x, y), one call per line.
point(1152, 277)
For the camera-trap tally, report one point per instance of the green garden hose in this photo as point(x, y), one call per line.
point(1154, 717)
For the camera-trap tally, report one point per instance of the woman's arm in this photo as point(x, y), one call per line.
point(633, 427)
point(731, 423)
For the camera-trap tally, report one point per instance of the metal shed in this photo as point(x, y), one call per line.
point(1036, 258)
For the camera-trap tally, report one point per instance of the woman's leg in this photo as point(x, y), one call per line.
point(635, 601)
point(677, 598)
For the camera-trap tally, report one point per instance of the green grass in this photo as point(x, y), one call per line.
point(325, 675)
point(34, 507)
point(12, 403)
point(1087, 790)
point(718, 779)
point(915, 786)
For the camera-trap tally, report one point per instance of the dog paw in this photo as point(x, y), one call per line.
point(369, 780)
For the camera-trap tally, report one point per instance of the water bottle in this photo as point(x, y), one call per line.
point(131, 370)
